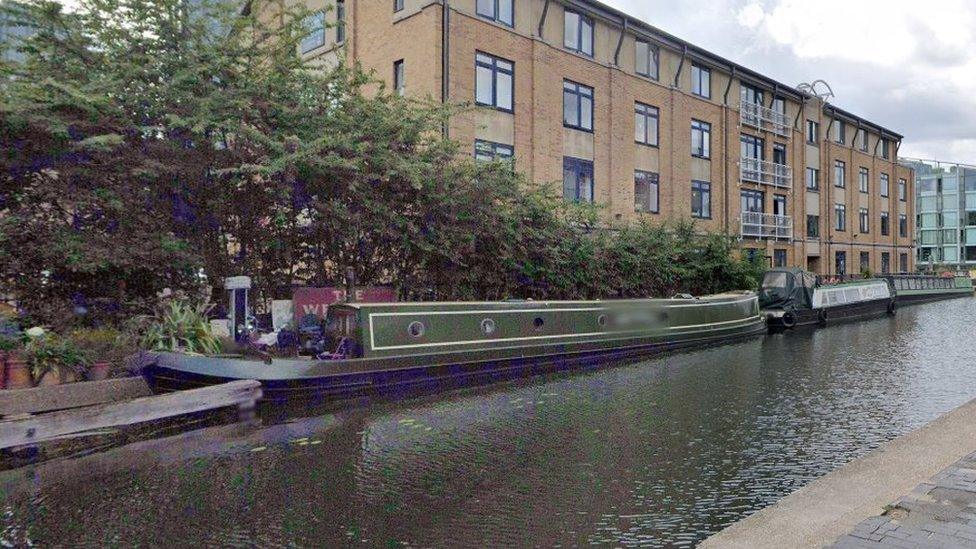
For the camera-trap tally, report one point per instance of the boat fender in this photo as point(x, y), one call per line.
point(892, 307)
point(789, 319)
point(822, 316)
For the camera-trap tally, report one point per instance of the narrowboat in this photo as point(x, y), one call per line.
point(914, 289)
point(792, 297)
point(388, 348)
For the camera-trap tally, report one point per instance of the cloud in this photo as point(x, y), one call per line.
point(907, 65)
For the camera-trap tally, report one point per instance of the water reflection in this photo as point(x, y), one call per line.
point(660, 453)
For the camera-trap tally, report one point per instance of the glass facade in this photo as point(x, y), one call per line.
point(945, 214)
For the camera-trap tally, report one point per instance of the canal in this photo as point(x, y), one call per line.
point(657, 453)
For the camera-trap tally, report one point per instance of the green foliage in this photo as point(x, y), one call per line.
point(53, 353)
point(148, 142)
point(179, 326)
point(102, 344)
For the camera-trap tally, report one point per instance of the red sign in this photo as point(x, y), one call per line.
point(316, 301)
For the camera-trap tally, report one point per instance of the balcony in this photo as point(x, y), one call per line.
point(766, 173)
point(762, 225)
point(764, 118)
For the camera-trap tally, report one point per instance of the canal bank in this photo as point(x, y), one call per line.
point(846, 504)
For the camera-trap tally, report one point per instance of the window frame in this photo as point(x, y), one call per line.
point(816, 179)
point(318, 32)
point(705, 128)
point(653, 54)
point(398, 5)
point(864, 180)
point(655, 181)
point(495, 71)
point(645, 111)
point(494, 147)
point(841, 132)
point(864, 140)
point(496, 16)
point(813, 221)
point(578, 46)
point(400, 77)
point(704, 76)
point(813, 132)
point(582, 167)
point(340, 21)
point(902, 225)
point(577, 92)
point(864, 221)
point(885, 185)
point(840, 182)
point(902, 189)
point(704, 189)
point(885, 224)
point(840, 217)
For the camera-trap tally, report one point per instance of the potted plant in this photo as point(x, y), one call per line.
point(179, 326)
point(104, 350)
point(54, 360)
point(11, 342)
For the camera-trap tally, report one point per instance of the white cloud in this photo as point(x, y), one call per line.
point(905, 64)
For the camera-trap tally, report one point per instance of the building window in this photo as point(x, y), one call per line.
point(840, 174)
point(903, 225)
point(701, 199)
point(840, 263)
point(813, 179)
point(840, 217)
point(646, 124)
point(701, 81)
point(399, 77)
point(863, 140)
point(577, 180)
point(701, 139)
point(884, 148)
point(577, 106)
point(813, 226)
point(751, 147)
point(501, 11)
point(903, 263)
point(578, 35)
point(865, 261)
point(779, 258)
point(340, 21)
point(397, 5)
point(885, 190)
point(315, 28)
point(648, 60)
point(841, 134)
point(885, 262)
point(646, 192)
point(885, 224)
point(864, 221)
point(813, 132)
point(863, 178)
point(751, 95)
point(488, 151)
point(902, 190)
point(494, 82)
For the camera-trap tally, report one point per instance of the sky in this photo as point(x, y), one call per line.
point(907, 65)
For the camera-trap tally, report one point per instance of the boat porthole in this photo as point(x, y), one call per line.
point(416, 329)
point(488, 326)
point(538, 323)
point(601, 320)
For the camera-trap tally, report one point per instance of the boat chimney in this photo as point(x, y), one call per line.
point(350, 285)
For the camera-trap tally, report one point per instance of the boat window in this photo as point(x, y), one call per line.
point(538, 323)
point(416, 328)
point(488, 326)
point(775, 280)
point(853, 294)
point(601, 320)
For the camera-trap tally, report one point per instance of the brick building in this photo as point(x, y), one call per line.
point(615, 111)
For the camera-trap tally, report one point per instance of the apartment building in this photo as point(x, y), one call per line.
point(946, 219)
point(608, 109)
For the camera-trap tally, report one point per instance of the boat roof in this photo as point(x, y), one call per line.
point(530, 302)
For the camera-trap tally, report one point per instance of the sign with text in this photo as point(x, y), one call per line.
point(316, 301)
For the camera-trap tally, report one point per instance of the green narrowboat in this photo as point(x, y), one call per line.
point(389, 347)
point(913, 289)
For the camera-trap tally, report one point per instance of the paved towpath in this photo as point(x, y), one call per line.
point(938, 513)
point(858, 505)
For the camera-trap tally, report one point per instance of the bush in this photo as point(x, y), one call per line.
point(180, 326)
point(103, 345)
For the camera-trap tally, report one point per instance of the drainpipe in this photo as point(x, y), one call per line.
point(725, 138)
point(445, 59)
point(681, 65)
point(542, 19)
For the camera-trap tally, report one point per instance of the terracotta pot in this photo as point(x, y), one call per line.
point(99, 371)
point(3, 369)
point(57, 377)
point(18, 375)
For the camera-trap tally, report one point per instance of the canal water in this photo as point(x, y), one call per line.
point(658, 453)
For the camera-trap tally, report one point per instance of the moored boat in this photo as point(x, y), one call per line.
point(792, 297)
point(913, 289)
point(386, 348)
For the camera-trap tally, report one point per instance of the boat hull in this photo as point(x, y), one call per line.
point(907, 298)
point(831, 315)
point(330, 381)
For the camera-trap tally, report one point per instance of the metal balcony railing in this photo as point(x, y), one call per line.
point(764, 118)
point(762, 225)
point(766, 173)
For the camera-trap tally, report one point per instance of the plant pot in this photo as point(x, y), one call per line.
point(3, 369)
point(18, 375)
point(57, 377)
point(99, 371)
